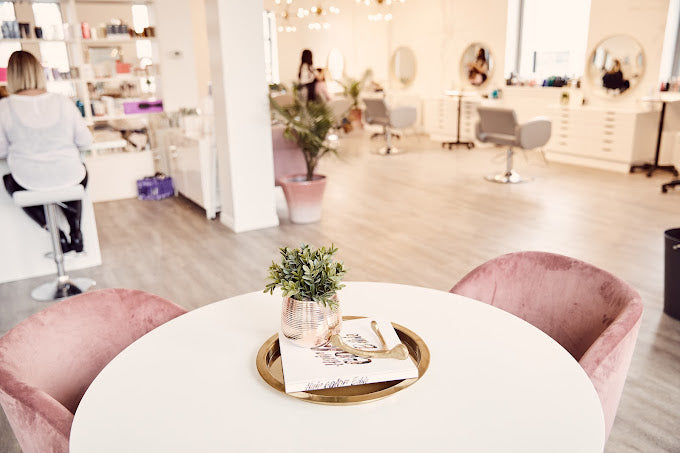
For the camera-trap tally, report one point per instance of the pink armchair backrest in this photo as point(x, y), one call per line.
point(590, 312)
point(288, 158)
point(50, 359)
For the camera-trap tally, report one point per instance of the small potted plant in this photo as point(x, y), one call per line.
point(307, 123)
point(352, 89)
point(309, 280)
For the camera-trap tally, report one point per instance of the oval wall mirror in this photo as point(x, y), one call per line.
point(616, 65)
point(476, 64)
point(335, 64)
point(404, 65)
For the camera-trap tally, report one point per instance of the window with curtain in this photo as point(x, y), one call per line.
point(52, 54)
point(271, 60)
point(670, 55)
point(547, 38)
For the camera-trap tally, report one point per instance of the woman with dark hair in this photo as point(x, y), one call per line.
point(613, 79)
point(307, 75)
point(478, 69)
point(40, 134)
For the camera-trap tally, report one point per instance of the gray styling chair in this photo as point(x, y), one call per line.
point(378, 112)
point(499, 126)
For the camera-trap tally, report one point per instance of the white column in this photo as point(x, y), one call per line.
point(242, 118)
point(175, 39)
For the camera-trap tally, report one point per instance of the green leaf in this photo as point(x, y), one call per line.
point(307, 274)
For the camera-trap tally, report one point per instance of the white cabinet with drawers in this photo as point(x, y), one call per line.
point(602, 138)
point(441, 118)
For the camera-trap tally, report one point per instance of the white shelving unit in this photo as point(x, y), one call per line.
point(95, 13)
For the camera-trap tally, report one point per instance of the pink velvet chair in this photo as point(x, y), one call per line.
point(591, 313)
point(50, 359)
point(288, 158)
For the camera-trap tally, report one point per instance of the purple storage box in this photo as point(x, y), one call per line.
point(145, 106)
point(155, 188)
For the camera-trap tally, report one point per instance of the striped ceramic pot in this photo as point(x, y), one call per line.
point(309, 324)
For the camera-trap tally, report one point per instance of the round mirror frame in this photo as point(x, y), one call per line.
point(465, 62)
point(403, 80)
point(594, 78)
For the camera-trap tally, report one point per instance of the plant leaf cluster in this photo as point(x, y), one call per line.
point(352, 87)
point(307, 124)
point(307, 274)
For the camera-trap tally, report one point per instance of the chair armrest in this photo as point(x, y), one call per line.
point(534, 133)
point(403, 116)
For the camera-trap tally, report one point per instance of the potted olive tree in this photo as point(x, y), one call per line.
point(309, 280)
point(307, 123)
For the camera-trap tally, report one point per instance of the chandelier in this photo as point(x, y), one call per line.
point(379, 5)
point(315, 15)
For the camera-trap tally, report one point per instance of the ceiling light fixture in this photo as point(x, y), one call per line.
point(381, 9)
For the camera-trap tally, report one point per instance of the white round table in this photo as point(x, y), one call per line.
point(495, 383)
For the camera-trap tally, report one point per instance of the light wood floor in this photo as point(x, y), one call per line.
point(426, 218)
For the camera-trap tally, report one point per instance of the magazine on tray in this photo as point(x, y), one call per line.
point(325, 367)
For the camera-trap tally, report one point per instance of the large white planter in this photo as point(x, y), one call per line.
point(304, 198)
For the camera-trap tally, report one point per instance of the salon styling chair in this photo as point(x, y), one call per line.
point(62, 286)
point(500, 126)
point(379, 113)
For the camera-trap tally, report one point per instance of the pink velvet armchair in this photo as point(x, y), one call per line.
point(288, 158)
point(591, 313)
point(49, 360)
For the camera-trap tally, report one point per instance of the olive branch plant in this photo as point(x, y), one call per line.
point(306, 274)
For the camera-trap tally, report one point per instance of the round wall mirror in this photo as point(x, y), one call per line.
point(616, 65)
point(335, 64)
point(476, 64)
point(404, 65)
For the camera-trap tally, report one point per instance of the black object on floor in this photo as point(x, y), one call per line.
point(671, 299)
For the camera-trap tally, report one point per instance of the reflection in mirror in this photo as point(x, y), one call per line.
point(404, 65)
point(616, 65)
point(335, 64)
point(476, 64)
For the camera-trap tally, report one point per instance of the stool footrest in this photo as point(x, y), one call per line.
point(60, 288)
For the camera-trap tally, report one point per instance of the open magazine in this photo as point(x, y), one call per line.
point(325, 367)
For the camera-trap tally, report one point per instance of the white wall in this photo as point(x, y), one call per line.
point(438, 31)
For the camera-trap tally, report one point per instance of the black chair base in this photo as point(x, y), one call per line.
point(382, 134)
point(469, 145)
point(668, 185)
point(651, 168)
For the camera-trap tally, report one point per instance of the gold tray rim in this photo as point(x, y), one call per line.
point(423, 362)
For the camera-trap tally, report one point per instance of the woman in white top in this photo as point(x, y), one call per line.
point(307, 75)
point(40, 134)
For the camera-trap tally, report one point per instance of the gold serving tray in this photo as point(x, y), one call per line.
point(269, 366)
